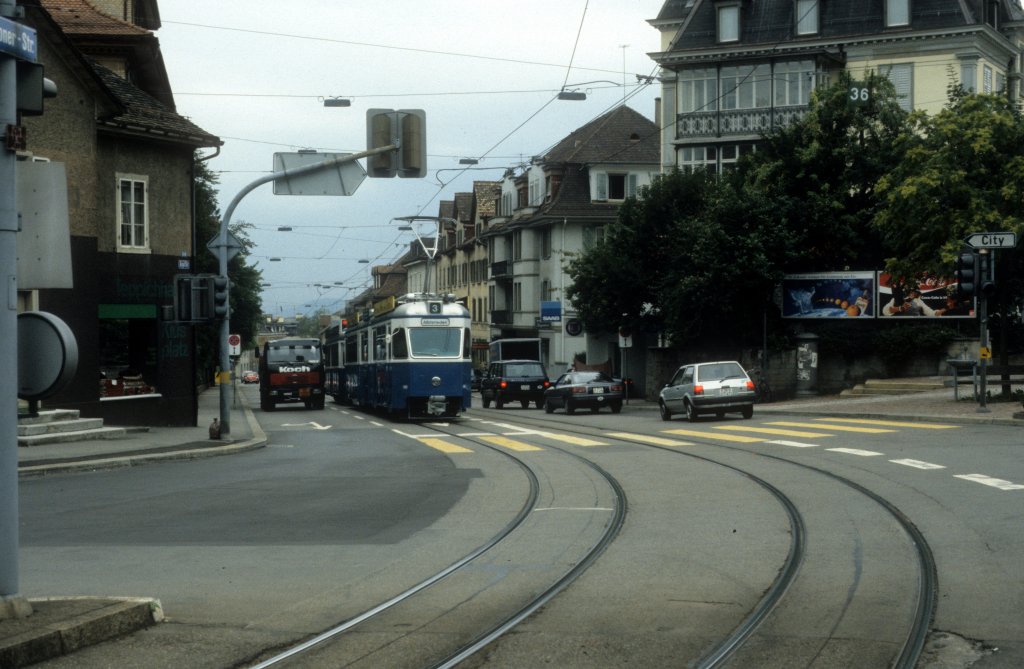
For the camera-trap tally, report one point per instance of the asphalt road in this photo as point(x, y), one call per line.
point(341, 510)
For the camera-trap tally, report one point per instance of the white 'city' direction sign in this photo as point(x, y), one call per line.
point(992, 240)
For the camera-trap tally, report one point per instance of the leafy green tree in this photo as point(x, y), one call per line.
point(246, 304)
point(962, 171)
point(821, 173)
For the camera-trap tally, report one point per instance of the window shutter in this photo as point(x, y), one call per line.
point(631, 186)
point(901, 76)
point(602, 186)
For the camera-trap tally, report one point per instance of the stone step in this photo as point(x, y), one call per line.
point(52, 427)
point(65, 437)
point(49, 416)
point(894, 387)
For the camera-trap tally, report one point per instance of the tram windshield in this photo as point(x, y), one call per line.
point(436, 342)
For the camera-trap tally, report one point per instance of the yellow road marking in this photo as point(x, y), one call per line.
point(648, 439)
point(771, 430)
point(443, 446)
point(712, 435)
point(511, 444)
point(837, 428)
point(576, 441)
point(893, 423)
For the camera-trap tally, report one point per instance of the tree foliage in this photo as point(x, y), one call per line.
point(246, 305)
point(962, 171)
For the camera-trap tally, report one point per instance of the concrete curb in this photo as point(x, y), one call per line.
point(62, 625)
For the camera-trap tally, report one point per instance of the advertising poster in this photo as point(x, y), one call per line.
point(925, 298)
point(829, 295)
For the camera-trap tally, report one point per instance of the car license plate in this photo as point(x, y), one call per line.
point(597, 390)
point(525, 386)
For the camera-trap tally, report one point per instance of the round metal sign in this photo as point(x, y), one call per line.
point(47, 355)
point(574, 327)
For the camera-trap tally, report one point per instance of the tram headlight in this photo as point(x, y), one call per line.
point(436, 381)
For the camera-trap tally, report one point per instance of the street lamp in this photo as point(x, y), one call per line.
point(468, 161)
point(284, 228)
point(275, 259)
point(337, 102)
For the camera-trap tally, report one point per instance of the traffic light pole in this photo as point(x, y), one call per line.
point(222, 246)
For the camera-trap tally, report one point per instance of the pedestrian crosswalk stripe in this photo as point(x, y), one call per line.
point(770, 430)
point(837, 428)
point(511, 444)
point(893, 423)
point(794, 444)
point(648, 439)
point(575, 441)
point(988, 480)
point(854, 451)
point(917, 464)
point(443, 446)
point(716, 435)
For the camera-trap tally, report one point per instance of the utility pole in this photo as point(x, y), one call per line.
point(17, 41)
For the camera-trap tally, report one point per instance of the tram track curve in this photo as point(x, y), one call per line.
point(283, 658)
point(927, 579)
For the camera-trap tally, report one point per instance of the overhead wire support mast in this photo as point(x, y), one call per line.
point(223, 246)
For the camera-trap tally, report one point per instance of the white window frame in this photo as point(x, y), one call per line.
point(794, 81)
point(902, 77)
point(134, 244)
point(807, 17)
point(728, 23)
point(698, 90)
point(986, 79)
point(897, 13)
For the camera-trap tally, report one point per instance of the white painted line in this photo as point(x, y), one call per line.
point(474, 434)
point(794, 444)
point(375, 423)
point(918, 464)
point(414, 436)
point(574, 508)
point(989, 481)
point(854, 451)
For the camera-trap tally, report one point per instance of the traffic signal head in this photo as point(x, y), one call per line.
point(406, 129)
point(966, 274)
point(986, 276)
point(219, 287)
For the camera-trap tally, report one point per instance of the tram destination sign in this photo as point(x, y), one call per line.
point(992, 240)
point(18, 40)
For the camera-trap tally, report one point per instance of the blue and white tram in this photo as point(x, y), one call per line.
point(412, 360)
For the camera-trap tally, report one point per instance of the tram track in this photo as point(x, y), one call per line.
point(325, 643)
point(720, 655)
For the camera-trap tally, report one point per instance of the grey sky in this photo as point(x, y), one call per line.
point(256, 76)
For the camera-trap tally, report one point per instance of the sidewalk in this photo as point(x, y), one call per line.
point(60, 626)
point(158, 443)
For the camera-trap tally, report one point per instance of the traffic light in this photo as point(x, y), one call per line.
point(184, 306)
point(407, 130)
point(966, 274)
point(218, 287)
point(986, 275)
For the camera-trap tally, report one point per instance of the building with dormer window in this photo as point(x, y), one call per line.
point(734, 69)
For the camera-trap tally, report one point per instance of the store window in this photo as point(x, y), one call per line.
point(127, 354)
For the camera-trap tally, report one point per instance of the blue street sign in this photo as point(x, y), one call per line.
point(551, 311)
point(18, 40)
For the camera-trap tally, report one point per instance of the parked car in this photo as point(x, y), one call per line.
point(584, 390)
point(250, 376)
point(522, 381)
point(708, 387)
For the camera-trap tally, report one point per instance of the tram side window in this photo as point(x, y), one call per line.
point(399, 347)
point(467, 340)
point(364, 347)
point(380, 343)
point(351, 349)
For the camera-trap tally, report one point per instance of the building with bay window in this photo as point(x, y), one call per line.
point(734, 69)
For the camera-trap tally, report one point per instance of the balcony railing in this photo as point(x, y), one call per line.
point(736, 123)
